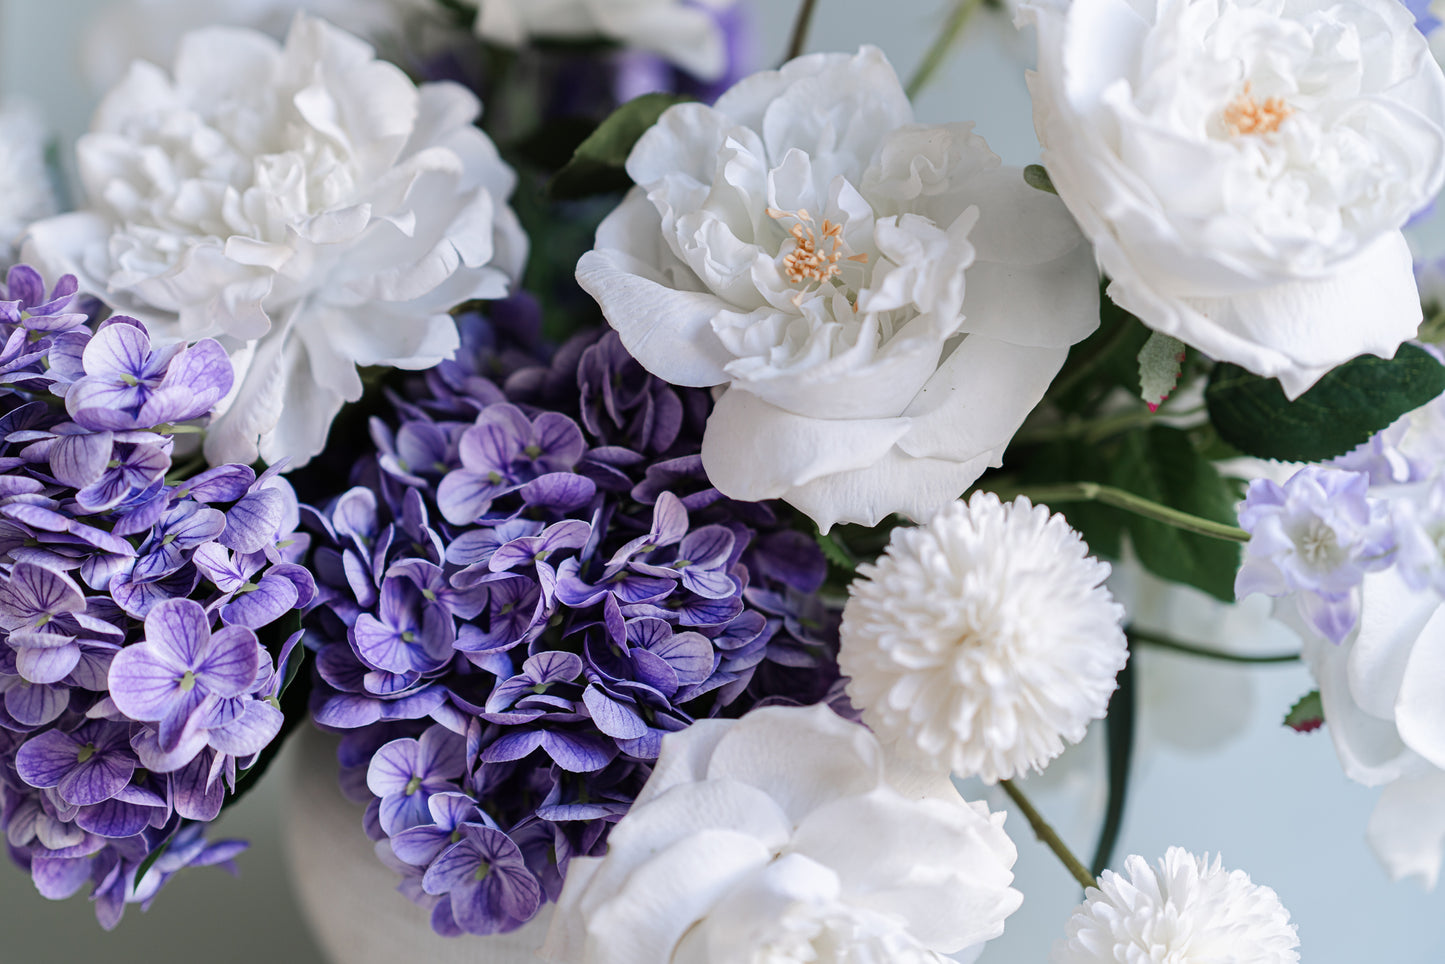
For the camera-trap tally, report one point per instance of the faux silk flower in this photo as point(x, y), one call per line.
point(787, 836)
point(1243, 167)
point(306, 205)
point(25, 189)
point(1380, 688)
point(879, 303)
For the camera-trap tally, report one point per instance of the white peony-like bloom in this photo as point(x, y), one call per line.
point(1380, 689)
point(881, 301)
point(787, 836)
point(306, 205)
point(1188, 911)
point(684, 33)
point(25, 189)
point(984, 639)
point(1244, 167)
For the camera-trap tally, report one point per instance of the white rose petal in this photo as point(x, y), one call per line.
point(787, 836)
point(305, 204)
point(881, 301)
point(1244, 167)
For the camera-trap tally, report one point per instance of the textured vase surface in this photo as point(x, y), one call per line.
point(349, 897)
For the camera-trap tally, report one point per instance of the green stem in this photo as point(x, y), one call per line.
point(1048, 837)
point(800, 29)
point(1129, 502)
point(938, 53)
point(1164, 642)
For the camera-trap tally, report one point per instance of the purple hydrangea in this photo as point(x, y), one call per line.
point(530, 583)
point(134, 687)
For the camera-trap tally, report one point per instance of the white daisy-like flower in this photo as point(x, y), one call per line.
point(1189, 911)
point(984, 639)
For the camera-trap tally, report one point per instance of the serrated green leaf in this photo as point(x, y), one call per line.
point(1160, 362)
point(1340, 412)
point(598, 164)
point(835, 552)
point(1307, 714)
point(1162, 465)
point(1037, 177)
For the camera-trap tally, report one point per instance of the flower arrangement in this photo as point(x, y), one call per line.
point(665, 482)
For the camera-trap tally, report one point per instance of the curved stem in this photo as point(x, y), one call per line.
point(800, 29)
point(1048, 837)
point(1123, 499)
point(938, 52)
point(1164, 642)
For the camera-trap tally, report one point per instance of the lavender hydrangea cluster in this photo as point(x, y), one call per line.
point(135, 688)
point(1382, 506)
point(531, 583)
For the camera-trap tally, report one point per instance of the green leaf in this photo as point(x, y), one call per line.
point(1162, 465)
point(148, 863)
point(1073, 460)
point(1036, 177)
point(1340, 412)
point(598, 164)
point(295, 698)
point(1160, 362)
point(1307, 714)
point(835, 551)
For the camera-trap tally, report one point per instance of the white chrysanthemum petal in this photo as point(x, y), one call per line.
point(984, 639)
point(1188, 911)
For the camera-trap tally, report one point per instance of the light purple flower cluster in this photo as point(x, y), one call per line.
point(531, 585)
point(1319, 535)
point(134, 684)
point(1315, 536)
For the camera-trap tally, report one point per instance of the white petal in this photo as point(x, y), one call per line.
point(753, 450)
point(1420, 709)
point(1407, 827)
point(801, 765)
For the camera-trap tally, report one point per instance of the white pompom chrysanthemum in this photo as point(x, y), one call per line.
point(1189, 911)
point(983, 639)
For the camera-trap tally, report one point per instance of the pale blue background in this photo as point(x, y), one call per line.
point(1274, 802)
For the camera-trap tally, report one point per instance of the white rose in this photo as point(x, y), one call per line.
point(883, 303)
point(25, 189)
point(1244, 167)
point(782, 837)
point(1380, 689)
point(684, 33)
point(307, 205)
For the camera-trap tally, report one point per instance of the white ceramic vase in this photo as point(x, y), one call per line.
point(349, 897)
